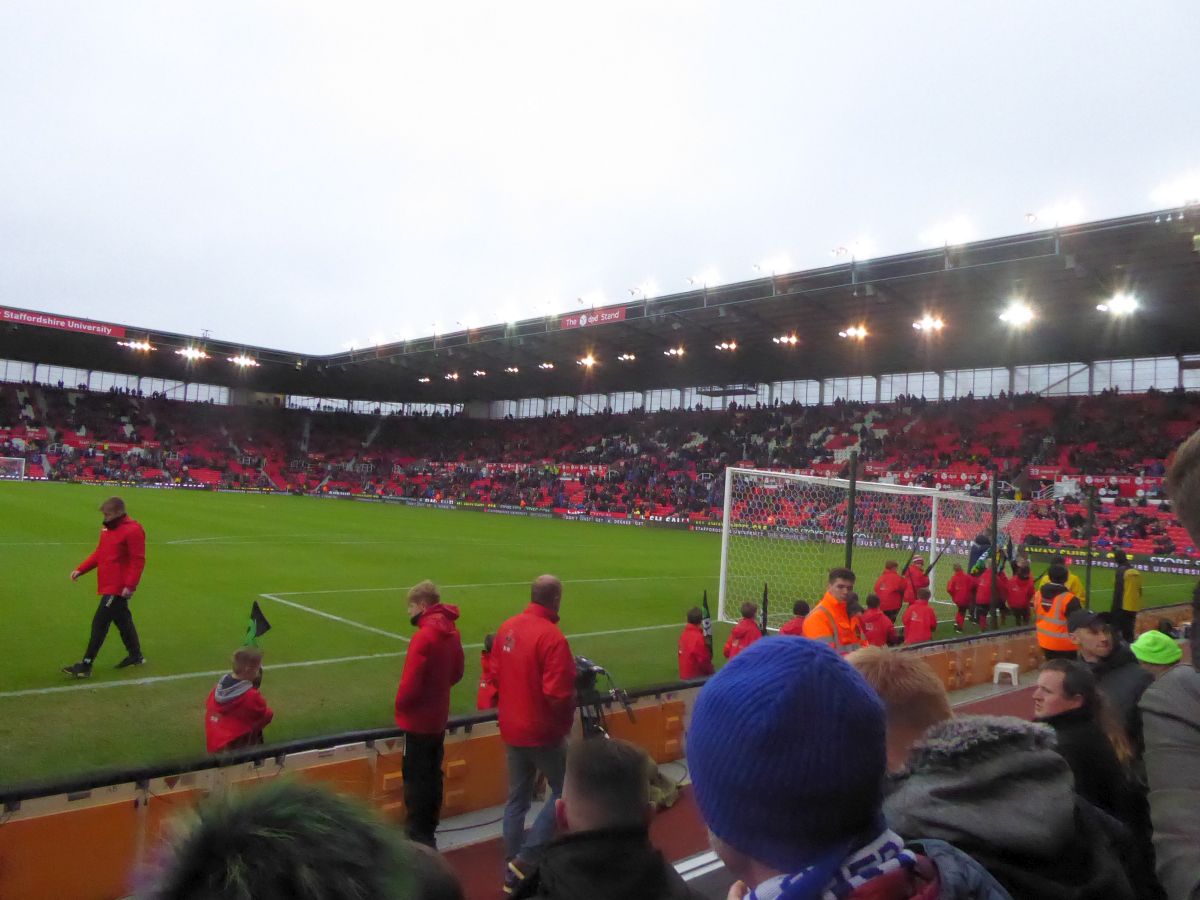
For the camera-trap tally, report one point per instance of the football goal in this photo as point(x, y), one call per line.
point(12, 468)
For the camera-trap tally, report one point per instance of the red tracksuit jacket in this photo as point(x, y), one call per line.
point(878, 628)
point(238, 717)
point(961, 588)
point(793, 626)
point(120, 557)
point(488, 695)
point(743, 635)
point(889, 588)
point(694, 660)
point(983, 590)
point(1020, 592)
point(433, 665)
point(919, 622)
point(916, 579)
point(535, 674)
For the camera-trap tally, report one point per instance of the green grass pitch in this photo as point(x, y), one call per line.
point(211, 555)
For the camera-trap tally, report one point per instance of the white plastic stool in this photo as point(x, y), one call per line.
point(1012, 670)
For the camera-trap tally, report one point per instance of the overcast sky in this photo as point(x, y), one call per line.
point(307, 175)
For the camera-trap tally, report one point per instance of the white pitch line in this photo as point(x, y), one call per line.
point(481, 584)
point(326, 615)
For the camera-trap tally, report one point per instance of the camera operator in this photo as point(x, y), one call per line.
point(535, 678)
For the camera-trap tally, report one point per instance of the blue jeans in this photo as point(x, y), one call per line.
point(523, 765)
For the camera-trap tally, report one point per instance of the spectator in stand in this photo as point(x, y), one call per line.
point(795, 625)
point(604, 848)
point(1053, 607)
point(920, 621)
point(235, 713)
point(433, 665)
point(1157, 653)
point(1127, 596)
point(913, 697)
point(877, 627)
point(915, 578)
point(961, 588)
point(695, 660)
point(488, 695)
point(1020, 592)
point(814, 827)
point(535, 677)
point(890, 588)
point(1119, 677)
point(290, 839)
point(830, 623)
point(745, 632)
point(1071, 582)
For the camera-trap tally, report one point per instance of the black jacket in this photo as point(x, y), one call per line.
point(1118, 597)
point(606, 864)
point(1122, 680)
point(1099, 776)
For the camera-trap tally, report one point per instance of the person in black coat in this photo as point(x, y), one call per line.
point(604, 850)
point(1118, 674)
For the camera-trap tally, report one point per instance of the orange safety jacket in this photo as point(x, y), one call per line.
point(1052, 633)
point(830, 624)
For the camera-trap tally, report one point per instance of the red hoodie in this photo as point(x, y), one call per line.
point(433, 665)
point(1020, 592)
point(961, 588)
point(919, 622)
point(535, 674)
point(878, 628)
point(889, 587)
point(983, 589)
point(120, 557)
point(743, 635)
point(793, 626)
point(916, 579)
point(234, 711)
point(694, 658)
point(488, 695)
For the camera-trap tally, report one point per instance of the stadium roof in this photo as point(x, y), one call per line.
point(1062, 274)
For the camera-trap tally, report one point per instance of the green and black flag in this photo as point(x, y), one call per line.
point(257, 626)
point(764, 610)
point(706, 624)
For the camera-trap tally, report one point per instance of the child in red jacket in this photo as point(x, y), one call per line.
point(961, 588)
point(795, 625)
point(877, 625)
point(235, 712)
point(920, 621)
point(488, 695)
point(744, 633)
point(1020, 594)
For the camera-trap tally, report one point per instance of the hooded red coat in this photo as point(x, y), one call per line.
point(433, 665)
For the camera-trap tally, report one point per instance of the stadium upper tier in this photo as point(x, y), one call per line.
point(662, 464)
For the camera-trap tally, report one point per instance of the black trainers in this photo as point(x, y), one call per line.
point(131, 661)
point(78, 670)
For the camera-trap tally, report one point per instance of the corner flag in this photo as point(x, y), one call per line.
point(706, 624)
point(257, 626)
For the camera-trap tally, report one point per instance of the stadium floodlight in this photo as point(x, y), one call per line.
point(424, 379)
point(191, 353)
point(546, 365)
point(789, 340)
point(512, 370)
point(244, 361)
point(674, 351)
point(140, 346)
point(627, 357)
point(929, 323)
point(587, 361)
point(1018, 314)
point(727, 346)
point(479, 373)
point(452, 376)
point(1121, 304)
point(856, 332)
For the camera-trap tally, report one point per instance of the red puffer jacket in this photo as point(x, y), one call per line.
point(120, 557)
point(234, 710)
point(694, 659)
point(433, 665)
point(535, 674)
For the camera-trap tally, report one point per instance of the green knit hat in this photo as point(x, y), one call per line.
point(1156, 648)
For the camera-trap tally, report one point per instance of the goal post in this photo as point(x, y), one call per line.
point(12, 468)
point(787, 531)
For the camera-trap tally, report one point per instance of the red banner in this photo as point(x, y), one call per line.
point(62, 323)
point(593, 317)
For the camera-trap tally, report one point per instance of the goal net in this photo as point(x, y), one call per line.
point(785, 532)
point(11, 468)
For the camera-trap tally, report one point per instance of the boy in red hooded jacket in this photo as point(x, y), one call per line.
point(961, 588)
point(744, 633)
point(235, 713)
point(433, 665)
point(694, 659)
point(488, 695)
point(920, 621)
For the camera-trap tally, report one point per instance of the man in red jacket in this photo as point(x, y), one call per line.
point(119, 560)
point(694, 658)
point(889, 587)
point(433, 665)
point(744, 633)
point(535, 676)
point(235, 713)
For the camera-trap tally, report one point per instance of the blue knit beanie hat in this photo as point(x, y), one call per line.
point(787, 753)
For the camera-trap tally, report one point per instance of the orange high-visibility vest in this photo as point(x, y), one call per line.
point(830, 624)
point(1052, 633)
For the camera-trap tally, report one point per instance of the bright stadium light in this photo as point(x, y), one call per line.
point(726, 346)
point(856, 332)
point(244, 361)
point(452, 376)
point(1018, 314)
point(424, 379)
point(1121, 304)
point(674, 351)
point(546, 365)
point(929, 323)
point(789, 340)
point(627, 357)
point(950, 233)
point(191, 353)
point(587, 361)
point(479, 373)
point(512, 370)
point(140, 346)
